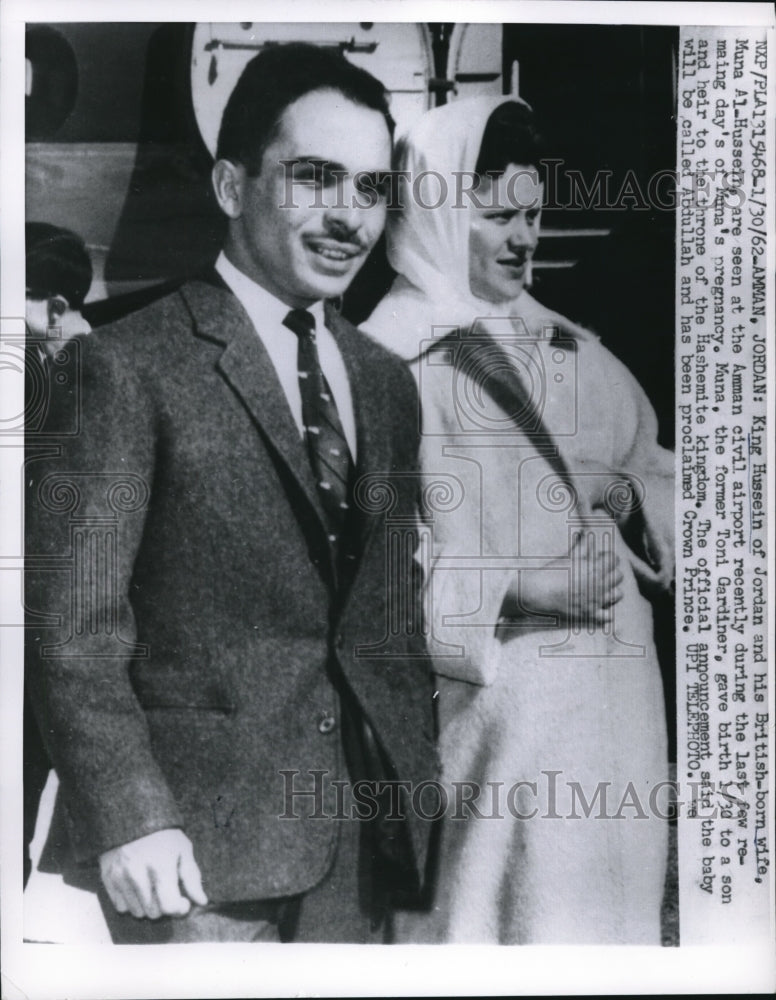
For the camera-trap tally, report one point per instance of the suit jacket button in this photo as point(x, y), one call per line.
point(339, 642)
point(326, 724)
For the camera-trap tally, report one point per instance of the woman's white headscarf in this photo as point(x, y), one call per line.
point(429, 247)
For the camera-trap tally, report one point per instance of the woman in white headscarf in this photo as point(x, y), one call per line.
point(550, 521)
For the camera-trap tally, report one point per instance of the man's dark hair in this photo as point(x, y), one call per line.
point(510, 136)
point(57, 264)
point(272, 81)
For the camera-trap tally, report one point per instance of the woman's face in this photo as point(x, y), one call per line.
point(504, 232)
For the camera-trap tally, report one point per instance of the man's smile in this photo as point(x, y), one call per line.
point(332, 255)
point(334, 249)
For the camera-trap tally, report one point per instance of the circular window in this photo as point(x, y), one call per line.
point(51, 82)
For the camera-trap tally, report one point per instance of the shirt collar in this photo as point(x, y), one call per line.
point(264, 308)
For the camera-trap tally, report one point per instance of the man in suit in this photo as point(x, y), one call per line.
point(58, 275)
point(221, 642)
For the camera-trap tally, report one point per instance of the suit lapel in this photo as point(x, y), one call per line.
point(248, 369)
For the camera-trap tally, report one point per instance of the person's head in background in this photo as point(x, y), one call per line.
point(59, 275)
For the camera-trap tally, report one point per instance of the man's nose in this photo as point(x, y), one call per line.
point(343, 216)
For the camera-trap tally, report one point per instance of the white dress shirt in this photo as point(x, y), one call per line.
point(267, 313)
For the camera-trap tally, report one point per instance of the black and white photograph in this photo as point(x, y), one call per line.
point(387, 436)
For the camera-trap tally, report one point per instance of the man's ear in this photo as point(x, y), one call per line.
point(228, 178)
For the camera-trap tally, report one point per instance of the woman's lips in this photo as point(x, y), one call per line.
point(513, 263)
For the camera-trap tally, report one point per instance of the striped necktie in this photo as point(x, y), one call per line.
point(327, 446)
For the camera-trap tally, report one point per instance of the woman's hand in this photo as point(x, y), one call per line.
point(582, 587)
point(596, 581)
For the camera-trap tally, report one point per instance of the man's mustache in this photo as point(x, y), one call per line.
point(342, 238)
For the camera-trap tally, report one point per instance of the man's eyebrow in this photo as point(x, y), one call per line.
point(317, 162)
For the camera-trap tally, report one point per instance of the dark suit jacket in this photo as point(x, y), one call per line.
point(187, 639)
